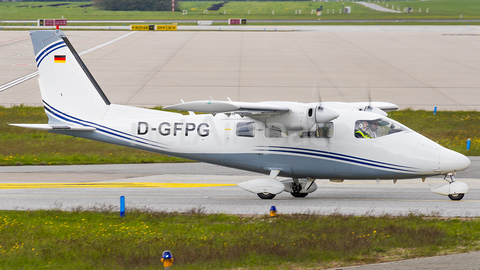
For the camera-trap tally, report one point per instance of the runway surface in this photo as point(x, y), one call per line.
point(417, 67)
point(183, 186)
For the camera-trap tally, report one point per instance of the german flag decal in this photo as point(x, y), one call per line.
point(60, 59)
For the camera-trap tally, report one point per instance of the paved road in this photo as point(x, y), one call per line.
point(350, 197)
point(416, 67)
point(466, 261)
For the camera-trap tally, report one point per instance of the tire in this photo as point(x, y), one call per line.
point(299, 195)
point(456, 197)
point(266, 196)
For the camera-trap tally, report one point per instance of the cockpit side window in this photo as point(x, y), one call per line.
point(371, 129)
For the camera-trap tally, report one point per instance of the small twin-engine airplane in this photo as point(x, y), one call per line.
point(299, 141)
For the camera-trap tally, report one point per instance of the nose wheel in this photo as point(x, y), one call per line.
point(455, 196)
point(266, 196)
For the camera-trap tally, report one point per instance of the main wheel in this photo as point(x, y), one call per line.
point(456, 197)
point(266, 196)
point(299, 195)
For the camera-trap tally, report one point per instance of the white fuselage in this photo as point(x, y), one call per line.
point(217, 139)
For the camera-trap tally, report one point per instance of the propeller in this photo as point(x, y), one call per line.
point(367, 93)
point(316, 91)
point(322, 114)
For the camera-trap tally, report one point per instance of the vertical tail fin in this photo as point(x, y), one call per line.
point(66, 85)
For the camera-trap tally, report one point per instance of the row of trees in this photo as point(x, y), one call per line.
point(142, 5)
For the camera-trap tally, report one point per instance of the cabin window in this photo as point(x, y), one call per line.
point(245, 129)
point(324, 130)
point(273, 133)
point(376, 128)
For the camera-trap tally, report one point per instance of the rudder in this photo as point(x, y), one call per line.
point(67, 86)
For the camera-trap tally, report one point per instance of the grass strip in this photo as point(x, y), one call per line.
point(250, 10)
point(97, 238)
point(19, 146)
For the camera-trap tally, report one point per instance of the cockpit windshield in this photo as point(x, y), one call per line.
point(370, 129)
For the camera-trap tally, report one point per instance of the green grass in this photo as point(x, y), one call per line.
point(100, 239)
point(259, 10)
point(449, 129)
point(20, 146)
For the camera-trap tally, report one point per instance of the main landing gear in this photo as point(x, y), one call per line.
point(296, 189)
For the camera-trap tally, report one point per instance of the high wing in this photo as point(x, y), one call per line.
point(241, 108)
point(269, 108)
point(285, 115)
point(384, 106)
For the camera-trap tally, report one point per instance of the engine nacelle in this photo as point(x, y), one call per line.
point(263, 185)
point(302, 117)
point(324, 114)
point(306, 186)
point(452, 188)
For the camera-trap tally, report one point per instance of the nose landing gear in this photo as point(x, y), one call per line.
point(454, 196)
point(455, 190)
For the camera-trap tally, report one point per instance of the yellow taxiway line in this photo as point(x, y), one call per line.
point(107, 185)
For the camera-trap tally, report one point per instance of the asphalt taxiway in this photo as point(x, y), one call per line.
point(419, 67)
point(183, 186)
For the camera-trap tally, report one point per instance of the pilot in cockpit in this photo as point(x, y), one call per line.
point(364, 130)
point(373, 128)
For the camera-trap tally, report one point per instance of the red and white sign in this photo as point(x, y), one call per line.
point(61, 22)
point(234, 21)
point(52, 22)
point(49, 22)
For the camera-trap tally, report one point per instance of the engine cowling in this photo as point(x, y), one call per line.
point(302, 117)
point(325, 114)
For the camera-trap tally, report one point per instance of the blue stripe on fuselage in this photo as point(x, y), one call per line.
point(99, 127)
point(335, 156)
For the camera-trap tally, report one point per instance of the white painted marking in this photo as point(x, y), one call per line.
point(31, 75)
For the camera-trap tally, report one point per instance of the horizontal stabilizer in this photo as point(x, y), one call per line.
point(247, 108)
point(54, 127)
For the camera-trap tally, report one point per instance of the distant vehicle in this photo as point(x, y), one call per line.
point(300, 141)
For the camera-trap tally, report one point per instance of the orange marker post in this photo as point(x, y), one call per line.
point(273, 211)
point(167, 259)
